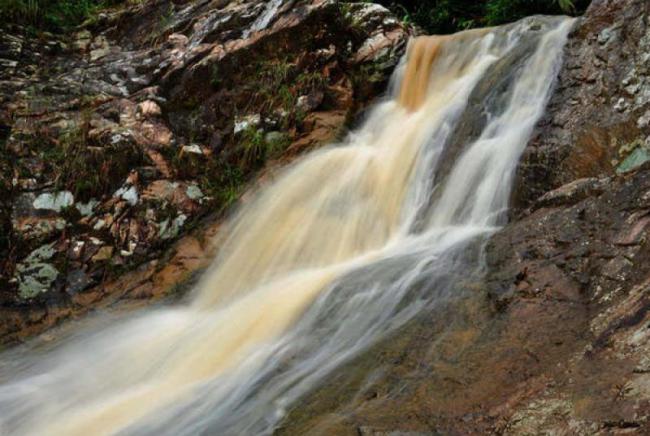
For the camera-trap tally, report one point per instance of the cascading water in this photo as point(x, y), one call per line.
point(348, 245)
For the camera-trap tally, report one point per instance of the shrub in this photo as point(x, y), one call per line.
point(447, 16)
point(52, 15)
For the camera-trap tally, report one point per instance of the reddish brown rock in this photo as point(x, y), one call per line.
point(595, 118)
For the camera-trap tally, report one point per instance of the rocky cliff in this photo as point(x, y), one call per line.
point(117, 140)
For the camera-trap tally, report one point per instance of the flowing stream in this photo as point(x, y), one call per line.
point(346, 246)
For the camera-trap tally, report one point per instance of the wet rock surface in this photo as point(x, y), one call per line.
point(599, 114)
point(119, 139)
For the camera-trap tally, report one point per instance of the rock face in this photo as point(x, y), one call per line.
point(598, 120)
point(119, 138)
point(555, 337)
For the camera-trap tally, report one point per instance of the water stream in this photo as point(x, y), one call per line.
point(346, 246)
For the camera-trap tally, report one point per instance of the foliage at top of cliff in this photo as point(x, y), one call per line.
point(51, 15)
point(434, 16)
point(448, 16)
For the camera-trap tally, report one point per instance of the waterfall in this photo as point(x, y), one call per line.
point(345, 247)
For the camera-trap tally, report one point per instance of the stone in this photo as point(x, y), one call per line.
point(171, 228)
point(246, 122)
point(182, 195)
point(307, 103)
point(81, 44)
point(192, 149)
point(638, 157)
point(194, 192)
point(36, 279)
point(54, 201)
point(76, 249)
point(606, 73)
point(149, 108)
point(86, 209)
point(572, 193)
point(34, 274)
point(99, 53)
point(634, 233)
point(100, 224)
point(77, 281)
point(39, 227)
point(644, 120)
point(45, 252)
point(177, 40)
point(103, 254)
point(275, 137)
point(114, 90)
point(128, 193)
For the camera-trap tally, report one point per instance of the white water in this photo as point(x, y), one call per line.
point(348, 245)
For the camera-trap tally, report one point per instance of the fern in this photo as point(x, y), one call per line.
point(567, 6)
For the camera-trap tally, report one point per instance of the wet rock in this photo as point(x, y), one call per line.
point(573, 192)
point(606, 71)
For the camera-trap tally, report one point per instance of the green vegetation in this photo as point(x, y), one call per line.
point(447, 16)
point(311, 80)
point(270, 85)
point(223, 181)
point(257, 147)
point(52, 15)
point(253, 145)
